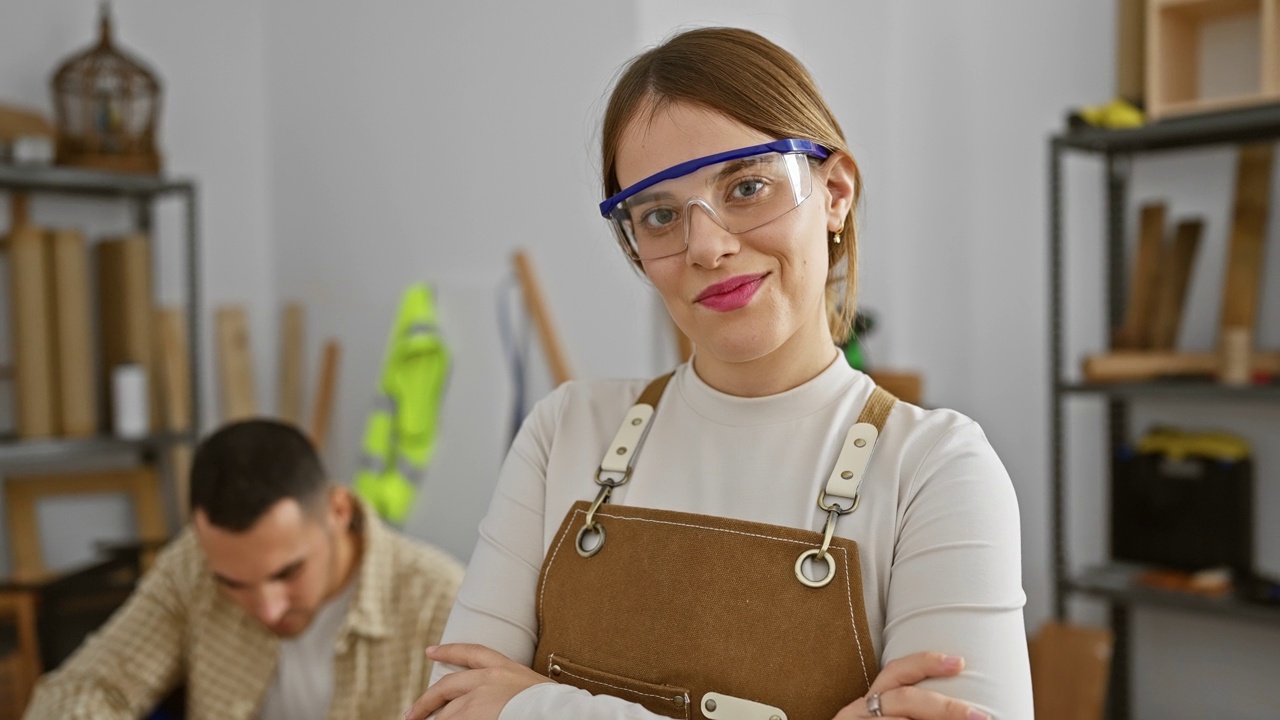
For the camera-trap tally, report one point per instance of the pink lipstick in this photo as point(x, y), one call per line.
point(730, 294)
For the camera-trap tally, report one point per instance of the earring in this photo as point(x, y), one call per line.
point(835, 240)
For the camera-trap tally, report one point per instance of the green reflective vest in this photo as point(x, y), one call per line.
point(400, 435)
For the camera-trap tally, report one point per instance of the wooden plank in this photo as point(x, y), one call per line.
point(1142, 282)
point(1135, 366)
point(326, 390)
point(1242, 285)
point(235, 364)
point(906, 386)
point(1174, 277)
point(32, 342)
point(1130, 49)
point(292, 349)
point(1069, 670)
point(174, 363)
point(536, 303)
point(125, 311)
point(72, 334)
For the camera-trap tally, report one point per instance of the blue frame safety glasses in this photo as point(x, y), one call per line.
point(740, 190)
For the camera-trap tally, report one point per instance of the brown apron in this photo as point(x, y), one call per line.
point(695, 616)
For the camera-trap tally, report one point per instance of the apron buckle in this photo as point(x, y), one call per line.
point(591, 526)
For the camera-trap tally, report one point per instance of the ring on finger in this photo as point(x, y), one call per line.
point(873, 705)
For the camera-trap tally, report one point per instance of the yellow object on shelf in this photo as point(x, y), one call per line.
point(1179, 444)
point(1115, 115)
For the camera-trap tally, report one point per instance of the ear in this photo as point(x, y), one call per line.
point(840, 176)
point(341, 507)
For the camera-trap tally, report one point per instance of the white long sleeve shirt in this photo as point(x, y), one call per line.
point(937, 527)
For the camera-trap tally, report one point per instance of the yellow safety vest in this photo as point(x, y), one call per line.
point(399, 438)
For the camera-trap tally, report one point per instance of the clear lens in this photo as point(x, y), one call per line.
point(739, 195)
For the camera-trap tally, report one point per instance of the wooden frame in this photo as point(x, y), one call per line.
point(1174, 39)
point(22, 494)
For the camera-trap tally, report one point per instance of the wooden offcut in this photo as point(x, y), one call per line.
point(906, 386)
point(536, 302)
point(173, 359)
point(1138, 366)
point(1131, 47)
point(1171, 291)
point(33, 347)
point(72, 334)
point(1142, 282)
point(1069, 670)
point(326, 390)
point(1243, 283)
point(235, 364)
point(292, 347)
point(21, 495)
point(125, 312)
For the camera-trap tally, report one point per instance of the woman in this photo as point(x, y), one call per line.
point(767, 534)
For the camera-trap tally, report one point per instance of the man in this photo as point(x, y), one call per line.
point(284, 598)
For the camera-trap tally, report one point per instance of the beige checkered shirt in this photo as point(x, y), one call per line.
point(178, 628)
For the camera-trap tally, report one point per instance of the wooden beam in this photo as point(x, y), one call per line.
point(1135, 366)
point(1142, 282)
point(1174, 277)
point(174, 363)
point(536, 303)
point(235, 364)
point(1243, 281)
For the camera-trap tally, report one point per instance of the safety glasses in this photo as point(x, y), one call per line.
point(740, 190)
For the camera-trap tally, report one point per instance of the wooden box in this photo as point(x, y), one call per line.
point(1206, 55)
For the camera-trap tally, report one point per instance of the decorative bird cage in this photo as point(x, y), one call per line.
point(107, 108)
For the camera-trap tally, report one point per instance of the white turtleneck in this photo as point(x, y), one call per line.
point(937, 528)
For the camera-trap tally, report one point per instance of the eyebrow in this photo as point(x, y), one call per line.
point(280, 574)
point(734, 166)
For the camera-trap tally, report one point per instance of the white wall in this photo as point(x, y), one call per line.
point(378, 144)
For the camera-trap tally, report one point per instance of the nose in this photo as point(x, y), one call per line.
point(270, 603)
point(706, 241)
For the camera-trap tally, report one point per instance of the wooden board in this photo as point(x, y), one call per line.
point(174, 362)
point(1136, 366)
point(32, 343)
point(535, 301)
point(72, 334)
point(125, 312)
point(1069, 669)
point(292, 349)
point(1243, 282)
point(1171, 290)
point(235, 364)
point(326, 390)
point(1131, 47)
point(906, 386)
point(1142, 281)
point(22, 494)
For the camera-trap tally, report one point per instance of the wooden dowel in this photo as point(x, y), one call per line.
point(537, 304)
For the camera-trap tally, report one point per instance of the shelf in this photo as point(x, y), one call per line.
point(1117, 584)
point(1174, 389)
point(26, 452)
point(1244, 125)
point(75, 181)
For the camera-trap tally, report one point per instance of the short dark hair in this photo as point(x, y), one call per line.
point(246, 467)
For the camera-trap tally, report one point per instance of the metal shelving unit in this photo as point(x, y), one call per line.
point(141, 192)
point(1116, 583)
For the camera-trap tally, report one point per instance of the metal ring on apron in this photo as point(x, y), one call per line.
point(833, 514)
point(582, 532)
point(816, 554)
point(590, 525)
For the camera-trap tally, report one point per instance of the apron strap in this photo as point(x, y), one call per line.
point(851, 465)
point(621, 454)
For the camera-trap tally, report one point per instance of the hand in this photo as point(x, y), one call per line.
point(901, 700)
point(477, 693)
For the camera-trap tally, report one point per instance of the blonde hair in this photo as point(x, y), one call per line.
point(741, 75)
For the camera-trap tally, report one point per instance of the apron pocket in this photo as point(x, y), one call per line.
point(666, 700)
